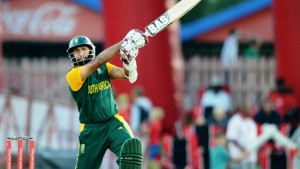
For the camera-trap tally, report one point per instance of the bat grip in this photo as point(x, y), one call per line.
point(147, 34)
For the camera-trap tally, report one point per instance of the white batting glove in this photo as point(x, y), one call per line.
point(128, 51)
point(132, 69)
point(131, 66)
point(138, 37)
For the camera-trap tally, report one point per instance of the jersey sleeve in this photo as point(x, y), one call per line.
point(74, 79)
point(109, 67)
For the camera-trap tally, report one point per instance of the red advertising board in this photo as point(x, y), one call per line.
point(46, 20)
point(287, 25)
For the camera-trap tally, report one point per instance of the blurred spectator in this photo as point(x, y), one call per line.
point(215, 96)
point(267, 114)
point(285, 103)
point(241, 133)
point(283, 97)
point(140, 110)
point(187, 102)
point(219, 155)
point(202, 131)
point(252, 51)
point(229, 52)
point(139, 117)
point(124, 105)
point(218, 118)
point(156, 117)
point(179, 148)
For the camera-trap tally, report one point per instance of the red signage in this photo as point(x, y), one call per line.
point(46, 20)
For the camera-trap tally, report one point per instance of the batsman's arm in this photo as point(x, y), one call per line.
point(117, 73)
point(102, 58)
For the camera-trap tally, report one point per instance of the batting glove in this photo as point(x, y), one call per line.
point(128, 51)
point(138, 37)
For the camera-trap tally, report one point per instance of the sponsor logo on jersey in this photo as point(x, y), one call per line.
point(159, 24)
point(95, 88)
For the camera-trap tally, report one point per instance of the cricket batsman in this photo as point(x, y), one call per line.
point(90, 85)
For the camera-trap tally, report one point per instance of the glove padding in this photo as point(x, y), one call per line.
point(131, 66)
point(138, 37)
point(132, 69)
point(128, 51)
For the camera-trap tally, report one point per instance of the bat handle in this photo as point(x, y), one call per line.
point(147, 34)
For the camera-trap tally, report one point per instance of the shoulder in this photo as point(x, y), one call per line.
point(208, 93)
point(235, 119)
point(251, 122)
point(259, 113)
point(74, 70)
point(73, 73)
point(74, 78)
point(109, 67)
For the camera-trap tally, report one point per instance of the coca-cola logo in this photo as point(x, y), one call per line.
point(50, 19)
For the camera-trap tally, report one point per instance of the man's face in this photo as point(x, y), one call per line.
point(246, 111)
point(81, 52)
point(268, 106)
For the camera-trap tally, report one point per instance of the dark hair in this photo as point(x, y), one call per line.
point(280, 81)
point(252, 41)
point(282, 87)
point(232, 31)
point(138, 91)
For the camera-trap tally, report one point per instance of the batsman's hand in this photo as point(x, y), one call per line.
point(128, 51)
point(131, 66)
point(138, 37)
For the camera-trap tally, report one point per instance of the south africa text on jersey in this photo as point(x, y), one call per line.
point(95, 88)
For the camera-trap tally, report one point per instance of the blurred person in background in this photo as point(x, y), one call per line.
point(229, 52)
point(215, 96)
point(219, 155)
point(241, 133)
point(267, 114)
point(179, 148)
point(123, 104)
point(283, 97)
point(252, 51)
point(285, 103)
point(219, 118)
point(155, 150)
point(90, 85)
point(140, 110)
point(139, 117)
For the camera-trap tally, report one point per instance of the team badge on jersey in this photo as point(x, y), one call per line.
point(99, 71)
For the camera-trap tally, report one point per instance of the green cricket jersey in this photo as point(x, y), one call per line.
point(94, 96)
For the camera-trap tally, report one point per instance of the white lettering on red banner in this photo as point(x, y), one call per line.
point(49, 19)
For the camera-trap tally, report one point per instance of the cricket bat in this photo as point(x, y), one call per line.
point(170, 16)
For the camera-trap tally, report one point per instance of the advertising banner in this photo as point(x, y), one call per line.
point(46, 20)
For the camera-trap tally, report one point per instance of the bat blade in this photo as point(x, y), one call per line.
point(170, 16)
